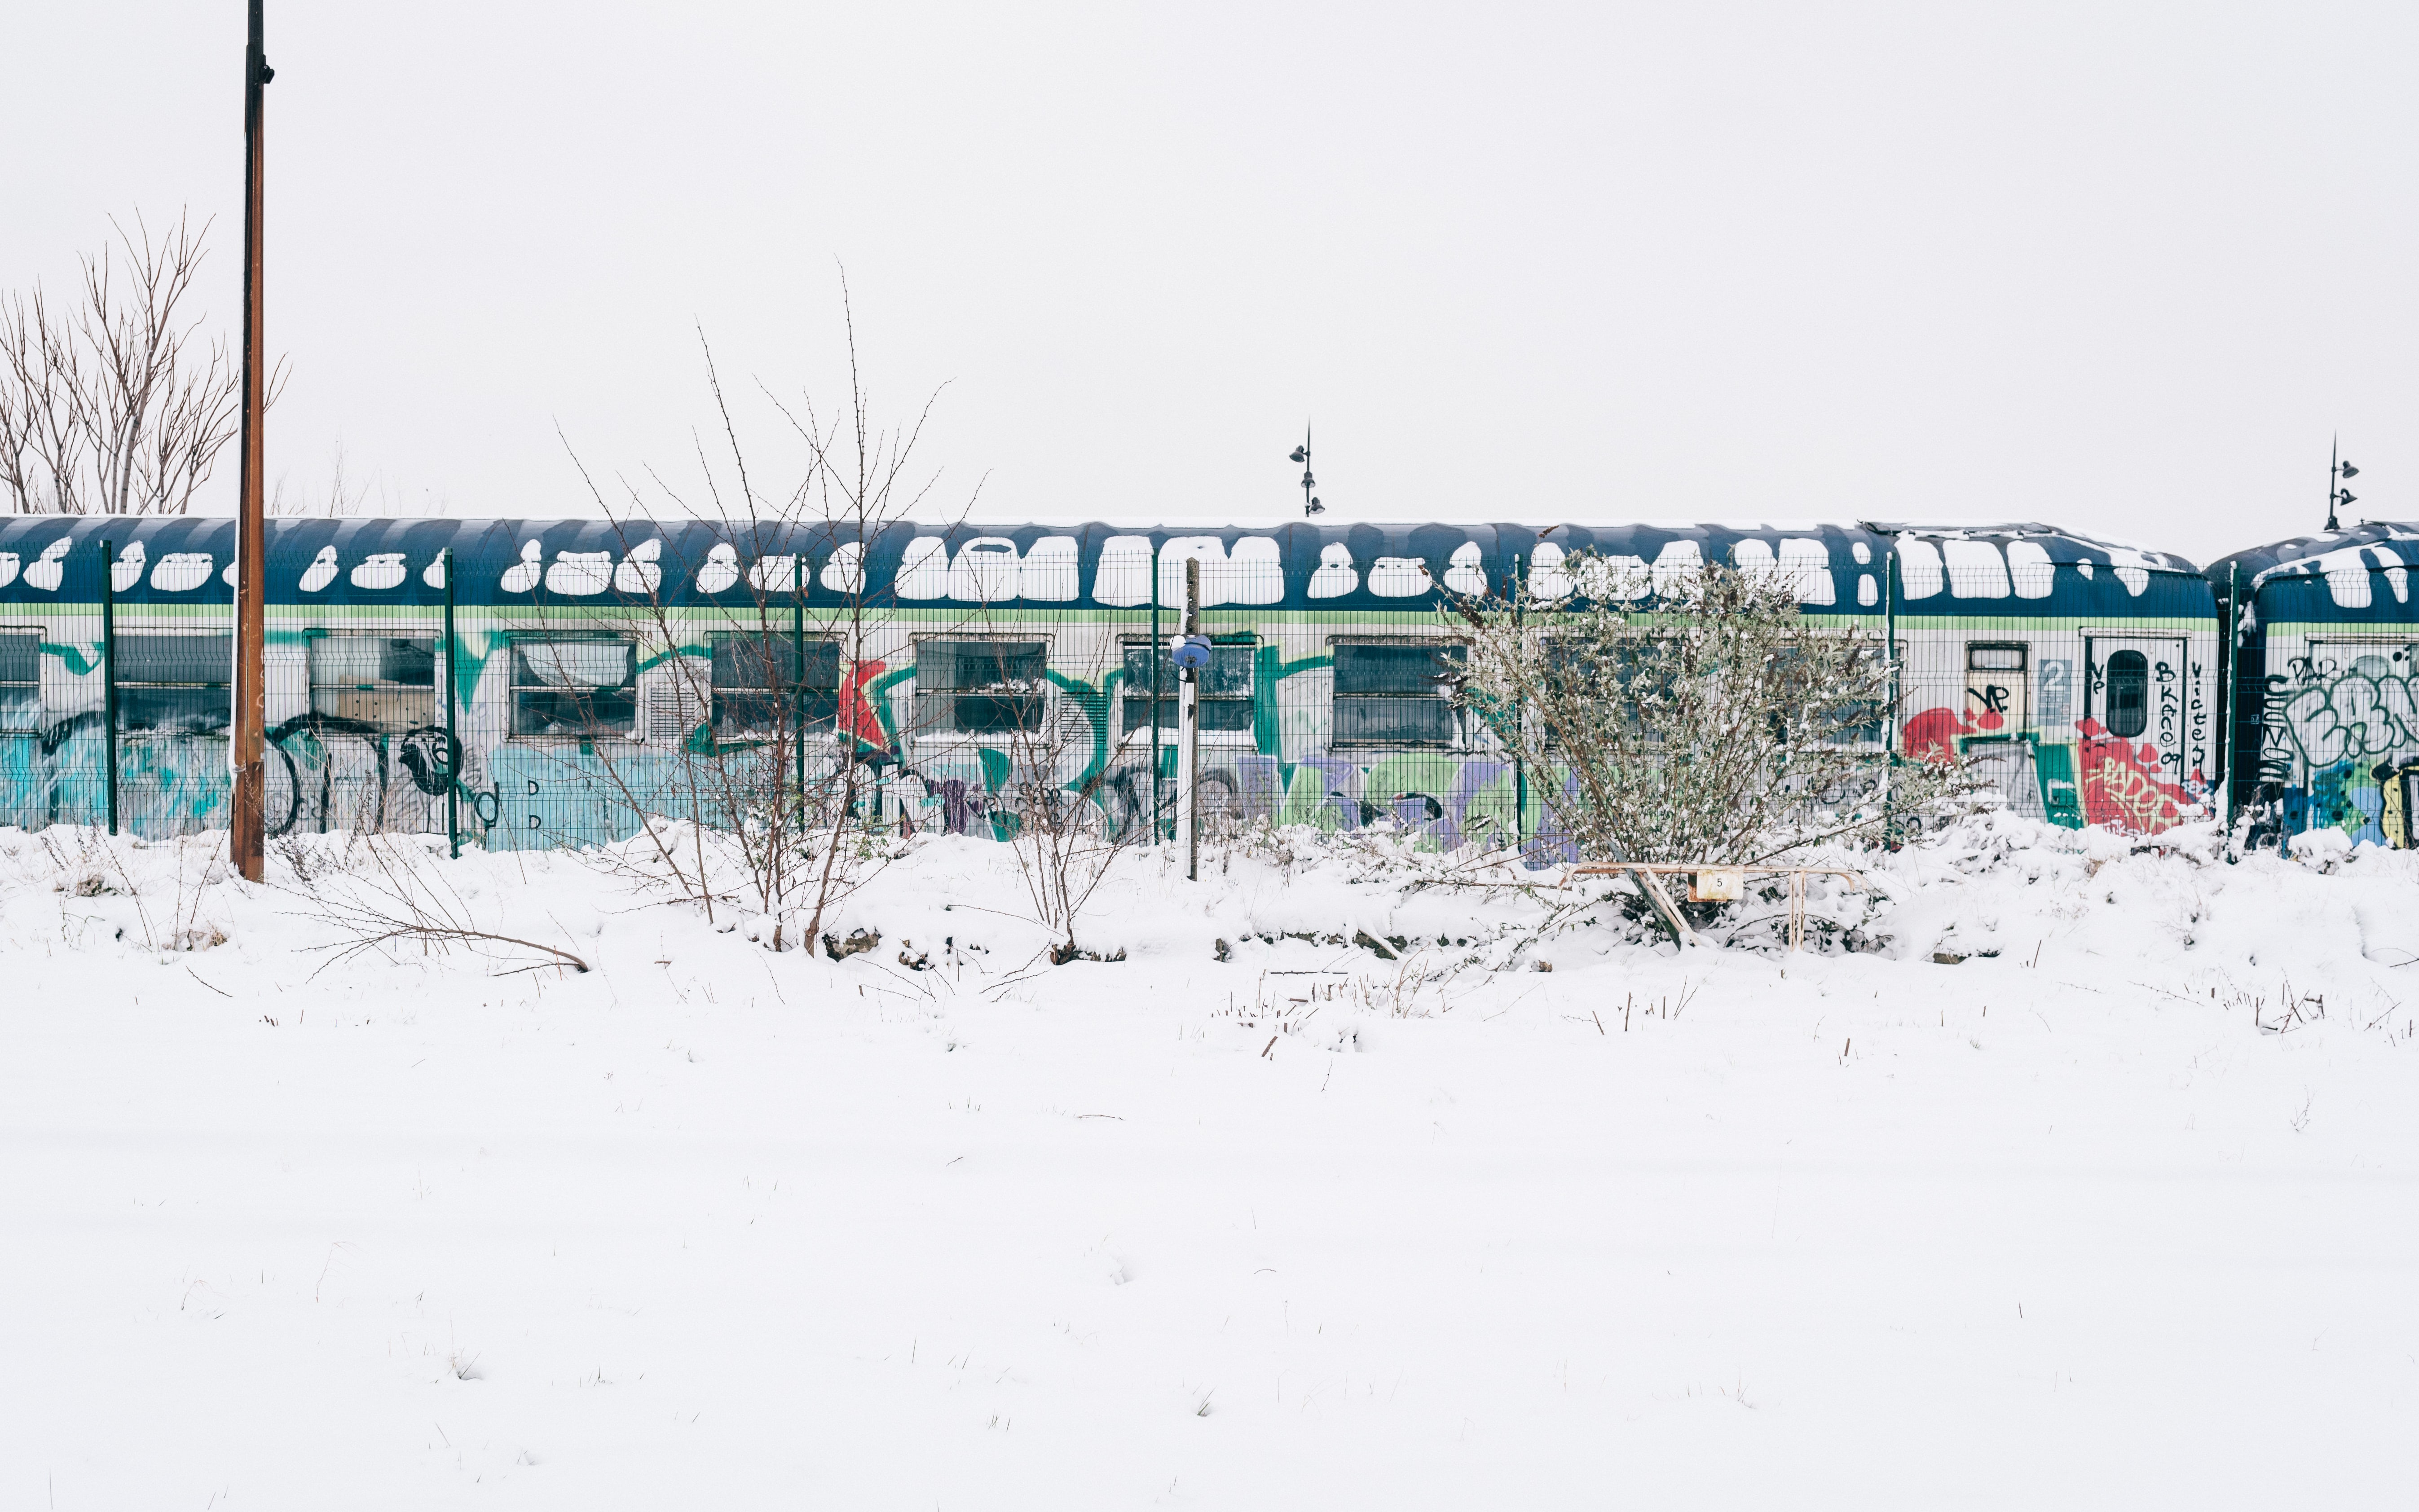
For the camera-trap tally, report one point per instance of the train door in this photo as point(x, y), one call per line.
point(2133, 687)
point(1995, 688)
point(1996, 721)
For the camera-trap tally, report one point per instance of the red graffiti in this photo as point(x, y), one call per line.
point(858, 715)
point(1932, 735)
point(2125, 786)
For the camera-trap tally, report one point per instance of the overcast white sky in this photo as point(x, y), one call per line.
point(2123, 267)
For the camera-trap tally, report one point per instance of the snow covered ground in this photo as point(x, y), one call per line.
point(2125, 1214)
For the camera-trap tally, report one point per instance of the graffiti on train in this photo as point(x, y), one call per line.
point(2360, 709)
point(320, 774)
point(543, 797)
point(2333, 727)
point(2096, 778)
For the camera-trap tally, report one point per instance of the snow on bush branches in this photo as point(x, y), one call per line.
point(1715, 725)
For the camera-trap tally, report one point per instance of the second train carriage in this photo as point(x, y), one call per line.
point(2326, 716)
point(2081, 673)
point(2083, 677)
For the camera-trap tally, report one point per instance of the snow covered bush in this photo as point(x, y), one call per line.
point(1717, 725)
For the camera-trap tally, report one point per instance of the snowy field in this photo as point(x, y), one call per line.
point(2125, 1214)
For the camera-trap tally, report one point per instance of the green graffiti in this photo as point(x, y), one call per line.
point(77, 662)
point(1095, 702)
point(875, 693)
point(1306, 801)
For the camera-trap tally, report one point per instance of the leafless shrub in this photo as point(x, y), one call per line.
point(778, 784)
point(392, 905)
point(89, 863)
point(1059, 831)
point(2290, 1009)
point(110, 403)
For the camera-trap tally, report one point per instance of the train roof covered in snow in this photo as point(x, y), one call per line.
point(1839, 568)
point(1957, 569)
point(2360, 575)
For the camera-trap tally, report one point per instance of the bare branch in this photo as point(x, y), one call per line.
point(117, 405)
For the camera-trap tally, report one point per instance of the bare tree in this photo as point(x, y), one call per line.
point(115, 404)
point(1058, 825)
point(1693, 716)
point(782, 748)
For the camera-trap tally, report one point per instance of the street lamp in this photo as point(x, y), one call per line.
point(1302, 455)
point(2339, 473)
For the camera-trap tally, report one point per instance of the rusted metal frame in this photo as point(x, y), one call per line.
point(1615, 867)
point(1646, 871)
point(1669, 910)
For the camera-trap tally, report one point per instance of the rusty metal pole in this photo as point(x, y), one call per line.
point(244, 836)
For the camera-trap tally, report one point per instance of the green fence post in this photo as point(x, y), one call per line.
point(1519, 728)
point(1890, 720)
point(453, 731)
point(798, 682)
point(109, 673)
point(2231, 649)
point(1158, 656)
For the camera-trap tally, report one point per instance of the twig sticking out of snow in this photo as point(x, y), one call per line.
point(403, 904)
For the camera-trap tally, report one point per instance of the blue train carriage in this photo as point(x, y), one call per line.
point(921, 649)
point(2324, 635)
point(2081, 675)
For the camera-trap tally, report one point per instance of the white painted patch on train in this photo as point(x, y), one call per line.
point(380, 571)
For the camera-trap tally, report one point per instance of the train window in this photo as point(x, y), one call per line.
point(980, 688)
point(375, 682)
point(1995, 686)
point(174, 682)
point(2127, 681)
point(756, 675)
point(1394, 692)
point(1226, 689)
point(21, 679)
point(1577, 669)
point(571, 684)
